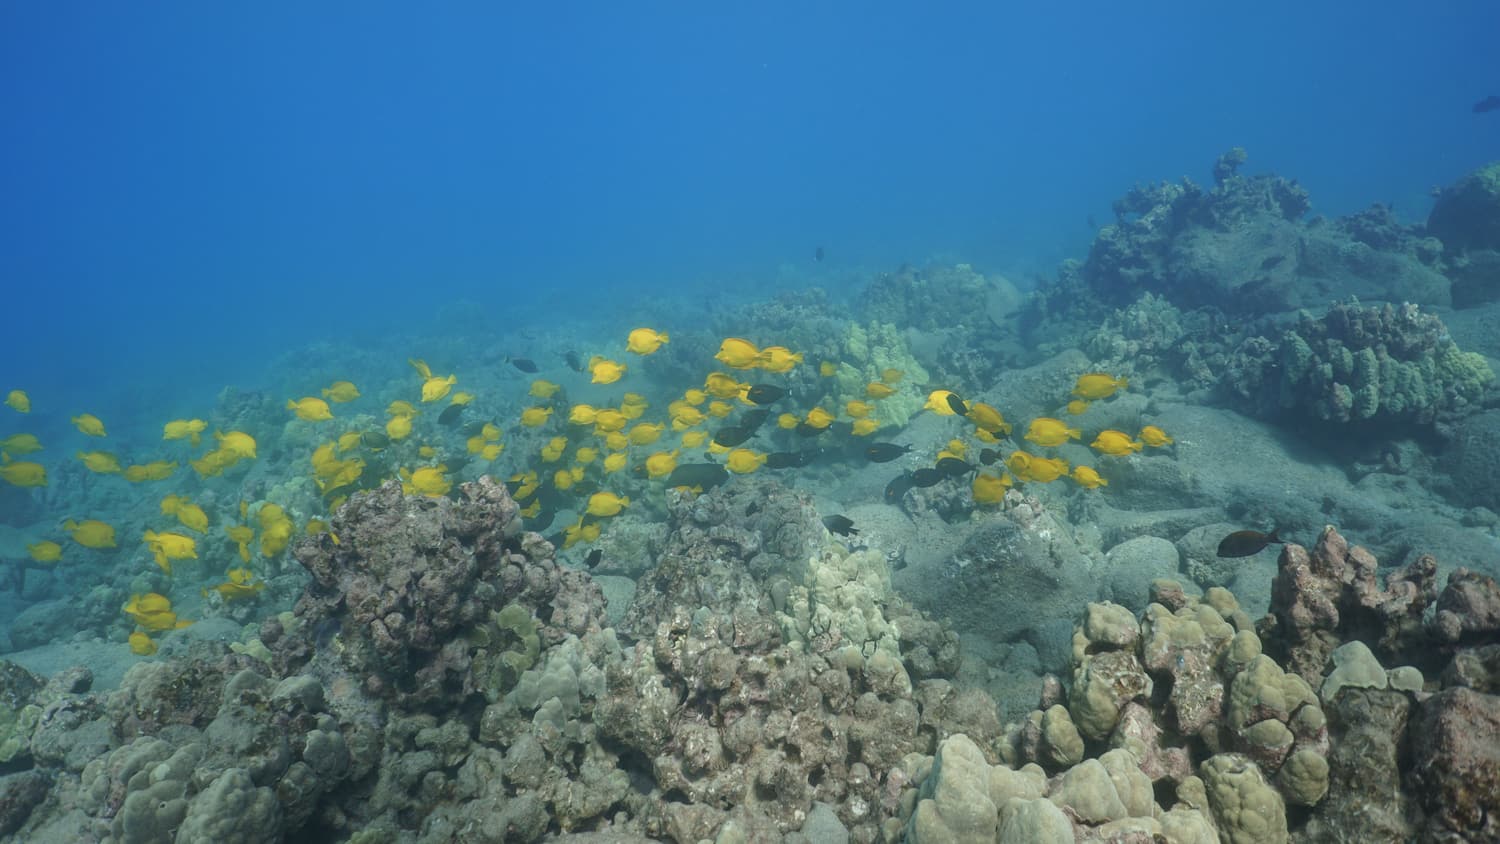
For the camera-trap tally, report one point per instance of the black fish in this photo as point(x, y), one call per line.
point(524, 364)
point(953, 467)
point(791, 459)
point(374, 439)
point(1490, 103)
point(841, 525)
point(927, 477)
point(765, 393)
point(732, 436)
point(1272, 262)
point(897, 489)
point(1243, 543)
point(753, 419)
point(818, 254)
point(593, 558)
point(575, 362)
point(705, 475)
point(805, 430)
point(957, 405)
point(885, 452)
point(541, 521)
point(474, 428)
point(988, 456)
point(450, 414)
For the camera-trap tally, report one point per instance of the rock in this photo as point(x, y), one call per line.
point(1138, 561)
point(19, 794)
point(1366, 800)
point(1455, 739)
point(1246, 808)
point(1466, 214)
point(955, 804)
point(1355, 666)
point(1038, 821)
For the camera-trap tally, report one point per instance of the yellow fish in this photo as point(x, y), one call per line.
point(241, 535)
point(987, 418)
point(340, 392)
point(239, 586)
point(474, 444)
point(189, 514)
point(89, 424)
point(605, 371)
point(348, 440)
point(1098, 385)
point(865, 427)
point(101, 462)
point(310, 409)
point(1046, 431)
point(22, 473)
point(937, 402)
point(427, 451)
point(778, 359)
point(609, 420)
point(535, 417)
point(237, 443)
point(585, 455)
point(20, 445)
point(876, 390)
point(635, 400)
point(1155, 437)
point(166, 547)
point(141, 644)
point(153, 612)
point(543, 389)
point(857, 409)
point(684, 416)
point(722, 386)
point(530, 510)
point(398, 427)
point(645, 433)
point(719, 409)
point(156, 470)
point(828, 369)
point(614, 462)
point(582, 414)
point(184, 429)
point(694, 439)
point(401, 407)
point(421, 367)
point(462, 399)
point(91, 533)
point(492, 451)
point(18, 401)
point(428, 480)
point(661, 464)
point(1077, 407)
point(603, 504)
point(435, 388)
point(743, 461)
point(1088, 478)
point(738, 354)
point(1116, 443)
point(892, 376)
point(616, 441)
point(490, 432)
point(276, 529)
point(990, 489)
point(645, 341)
point(45, 551)
point(787, 421)
point(694, 396)
point(819, 418)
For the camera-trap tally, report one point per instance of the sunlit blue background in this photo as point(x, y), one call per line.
point(187, 187)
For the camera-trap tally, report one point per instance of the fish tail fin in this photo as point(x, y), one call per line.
point(664, 337)
point(291, 405)
point(1075, 433)
point(1273, 538)
point(1122, 382)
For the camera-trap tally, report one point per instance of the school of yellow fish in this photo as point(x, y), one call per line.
point(587, 448)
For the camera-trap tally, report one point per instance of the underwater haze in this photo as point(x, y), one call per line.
point(188, 188)
point(826, 422)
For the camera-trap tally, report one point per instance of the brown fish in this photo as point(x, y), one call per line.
point(1244, 543)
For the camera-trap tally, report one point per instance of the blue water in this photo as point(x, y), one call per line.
point(187, 188)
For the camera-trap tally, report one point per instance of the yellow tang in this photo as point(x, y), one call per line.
point(990, 489)
point(492, 451)
point(18, 401)
point(543, 389)
point(779, 359)
point(787, 421)
point(157, 470)
point(609, 420)
point(1088, 478)
point(661, 464)
point(435, 388)
point(987, 418)
point(857, 408)
point(237, 443)
point(645, 341)
point(603, 504)
point(401, 407)
point(719, 409)
point(20, 445)
point(694, 439)
point(398, 427)
point(490, 432)
point(428, 480)
point(535, 417)
point(828, 369)
point(614, 462)
point(737, 353)
point(1098, 385)
point(865, 427)
point(892, 376)
point(166, 547)
point(22, 473)
point(582, 414)
point(89, 424)
point(743, 461)
point(310, 409)
point(722, 386)
point(91, 533)
point(184, 429)
point(1077, 407)
point(340, 392)
point(1046, 431)
point(101, 462)
point(645, 433)
point(348, 440)
point(938, 402)
point(141, 644)
point(875, 390)
point(1116, 443)
point(1155, 437)
point(45, 551)
point(819, 418)
point(605, 371)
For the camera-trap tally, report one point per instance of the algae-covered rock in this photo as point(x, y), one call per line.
point(1246, 808)
point(955, 805)
point(232, 810)
point(19, 712)
point(1354, 665)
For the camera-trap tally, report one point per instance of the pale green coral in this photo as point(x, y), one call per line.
point(867, 352)
point(505, 648)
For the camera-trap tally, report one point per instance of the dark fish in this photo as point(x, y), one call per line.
point(791, 459)
point(450, 414)
point(897, 489)
point(575, 362)
point(474, 428)
point(885, 452)
point(1243, 543)
point(541, 521)
point(753, 419)
point(557, 539)
point(818, 254)
point(805, 430)
point(841, 525)
point(957, 405)
point(705, 475)
point(526, 365)
point(953, 467)
point(374, 439)
point(927, 477)
point(765, 393)
point(1490, 103)
point(988, 456)
point(593, 558)
point(1273, 261)
point(733, 436)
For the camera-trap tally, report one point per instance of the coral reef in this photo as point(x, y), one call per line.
point(1466, 218)
point(1384, 365)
